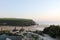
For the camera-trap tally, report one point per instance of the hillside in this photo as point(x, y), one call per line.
point(16, 22)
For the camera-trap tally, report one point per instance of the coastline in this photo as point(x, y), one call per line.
point(32, 28)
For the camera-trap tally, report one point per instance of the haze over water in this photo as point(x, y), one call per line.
point(47, 23)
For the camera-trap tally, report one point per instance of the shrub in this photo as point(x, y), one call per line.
point(52, 30)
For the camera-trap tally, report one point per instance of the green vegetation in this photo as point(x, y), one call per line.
point(16, 22)
point(35, 37)
point(52, 30)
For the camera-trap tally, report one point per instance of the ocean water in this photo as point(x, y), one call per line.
point(48, 22)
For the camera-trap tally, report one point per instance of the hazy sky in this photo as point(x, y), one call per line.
point(44, 10)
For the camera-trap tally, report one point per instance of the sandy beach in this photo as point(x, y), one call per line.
point(35, 27)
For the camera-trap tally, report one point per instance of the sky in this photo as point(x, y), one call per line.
point(43, 10)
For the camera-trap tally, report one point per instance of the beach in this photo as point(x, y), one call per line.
point(32, 28)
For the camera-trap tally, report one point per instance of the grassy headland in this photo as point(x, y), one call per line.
point(16, 22)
